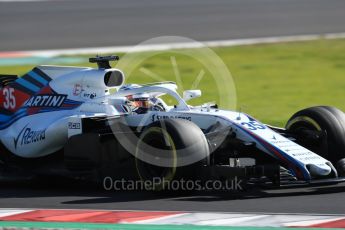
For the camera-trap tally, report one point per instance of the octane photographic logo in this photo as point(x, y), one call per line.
point(197, 68)
point(234, 184)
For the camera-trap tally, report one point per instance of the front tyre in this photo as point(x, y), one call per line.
point(168, 150)
point(328, 123)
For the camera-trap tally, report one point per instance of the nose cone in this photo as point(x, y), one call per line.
point(319, 170)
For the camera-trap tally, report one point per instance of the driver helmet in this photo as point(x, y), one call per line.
point(139, 103)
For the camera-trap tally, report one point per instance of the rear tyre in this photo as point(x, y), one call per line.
point(163, 150)
point(329, 122)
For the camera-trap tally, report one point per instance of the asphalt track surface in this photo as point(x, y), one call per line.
point(72, 24)
point(67, 195)
point(88, 23)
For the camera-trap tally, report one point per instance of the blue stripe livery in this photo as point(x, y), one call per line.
point(27, 85)
point(38, 78)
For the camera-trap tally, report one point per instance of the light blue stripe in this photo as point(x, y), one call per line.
point(38, 77)
point(28, 85)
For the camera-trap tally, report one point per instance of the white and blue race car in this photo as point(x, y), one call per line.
point(84, 122)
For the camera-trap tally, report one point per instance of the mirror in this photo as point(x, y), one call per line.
point(190, 94)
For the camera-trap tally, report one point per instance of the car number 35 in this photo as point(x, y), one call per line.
point(253, 125)
point(9, 100)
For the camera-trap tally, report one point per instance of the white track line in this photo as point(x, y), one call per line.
point(10, 212)
point(169, 46)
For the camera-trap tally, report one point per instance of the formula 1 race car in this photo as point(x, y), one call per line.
point(85, 123)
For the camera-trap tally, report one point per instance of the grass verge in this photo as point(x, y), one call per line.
point(272, 80)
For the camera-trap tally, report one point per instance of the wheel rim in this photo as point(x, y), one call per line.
point(303, 122)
